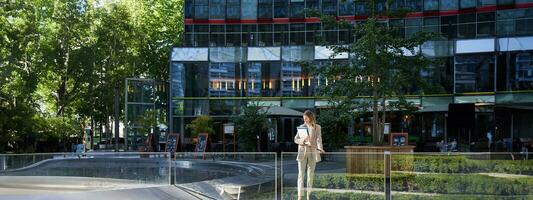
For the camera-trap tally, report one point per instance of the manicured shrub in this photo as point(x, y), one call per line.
point(430, 183)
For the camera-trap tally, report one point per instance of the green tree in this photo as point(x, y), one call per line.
point(334, 122)
point(60, 62)
point(249, 125)
point(378, 68)
point(202, 124)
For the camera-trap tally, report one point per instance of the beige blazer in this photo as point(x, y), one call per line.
point(315, 147)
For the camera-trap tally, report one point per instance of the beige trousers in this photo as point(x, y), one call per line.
point(309, 163)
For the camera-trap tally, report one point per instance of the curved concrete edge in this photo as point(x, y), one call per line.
point(23, 185)
point(259, 179)
point(150, 193)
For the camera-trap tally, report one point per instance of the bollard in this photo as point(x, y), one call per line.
point(387, 172)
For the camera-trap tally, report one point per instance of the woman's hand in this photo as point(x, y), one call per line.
point(321, 151)
point(306, 140)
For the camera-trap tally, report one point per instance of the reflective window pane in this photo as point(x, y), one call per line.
point(468, 3)
point(189, 8)
point(263, 79)
point(431, 5)
point(264, 9)
point(414, 5)
point(233, 9)
point(196, 81)
point(223, 79)
point(329, 7)
point(217, 9)
point(474, 73)
point(486, 2)
point(361, 8)
point(346, 7)
point(281, 8)
point(523, 72)
point(291, 79)
point(249, 9)
point(297, 8)
point(449, 5)
point(201, 9)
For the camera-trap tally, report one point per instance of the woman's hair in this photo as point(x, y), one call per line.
point(311, 117)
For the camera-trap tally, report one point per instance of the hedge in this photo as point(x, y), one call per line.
point(429, 183)
point(459, 164)
point(289, 194)
point(323, 195)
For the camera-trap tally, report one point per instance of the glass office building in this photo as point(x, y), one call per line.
point(237, 51)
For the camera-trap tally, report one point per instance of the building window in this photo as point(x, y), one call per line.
point(262, 79)
point(196, 83)
point(524, 26)
point(474, 73)
point(346, 8)
point(485, 25)
point(281, 8)
point(291, 79)
point(431, 24)
point(218, 34)
point(264, 9)
point(448, 26)
point(505, 2)
point(312, 6)
point(467, 26)
point(248, 35)
point(201, 9)
point(414, 5)
point(467, 4)
point(312, 35)
point(381, 6)
point(523, 77)
point(224, 79)
point(233, 9)
point(281, 34)
point(297, 8)
point(297, 34)
point(482, 3)
point(397, 27)
point(233, 35)
point(431, 5)
point(449, 5)
point(396, 5)
point(189, 8)
point(249, 9)
point(264, 36)
point(217, 9)
point(361, 8)
point(329, 7)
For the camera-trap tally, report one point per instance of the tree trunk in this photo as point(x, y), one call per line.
point(61, 92)
point(376, 137)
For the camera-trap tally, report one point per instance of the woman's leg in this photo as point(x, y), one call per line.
point(301, 174)
point(311, 163)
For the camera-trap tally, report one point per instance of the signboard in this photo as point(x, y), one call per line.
point(201, 144)
point(386, 128)
point(398, 139)
point(172, 143)
point(229, 128)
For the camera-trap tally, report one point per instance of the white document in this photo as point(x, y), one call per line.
point(302, 132)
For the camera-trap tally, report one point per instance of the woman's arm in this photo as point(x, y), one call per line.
point(320, 147)
point(299, 140)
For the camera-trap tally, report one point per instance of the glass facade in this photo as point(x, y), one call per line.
point(255, 49)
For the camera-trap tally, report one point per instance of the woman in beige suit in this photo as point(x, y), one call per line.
point(309, 149)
